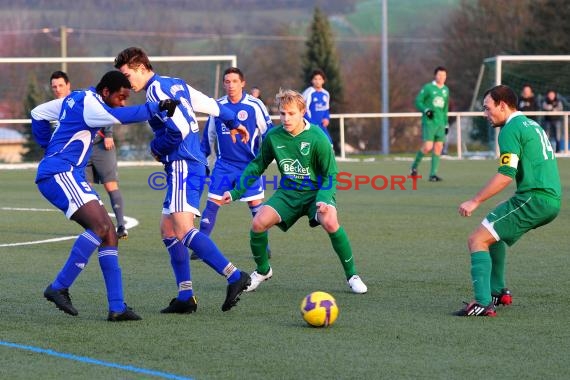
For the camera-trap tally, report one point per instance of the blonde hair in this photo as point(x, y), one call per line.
point(290, 97)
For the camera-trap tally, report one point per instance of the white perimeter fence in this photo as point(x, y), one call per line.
point(459, 122)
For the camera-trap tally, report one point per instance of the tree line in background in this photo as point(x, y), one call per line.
point(471, 32)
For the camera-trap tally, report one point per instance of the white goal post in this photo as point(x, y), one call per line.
point(175, 58)
point(500, 59)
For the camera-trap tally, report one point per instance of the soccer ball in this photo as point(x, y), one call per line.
point(319, 309)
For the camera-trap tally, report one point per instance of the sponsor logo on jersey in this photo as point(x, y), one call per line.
point(509, 159)
point(438, 102)
point(242, 115)
point(293, 168)
point(305, 147)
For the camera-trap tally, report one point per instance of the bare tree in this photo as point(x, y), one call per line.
point(478, 30)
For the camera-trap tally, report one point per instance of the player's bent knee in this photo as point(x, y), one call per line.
point(258, 226)
point(331, 226)
point(103, 230)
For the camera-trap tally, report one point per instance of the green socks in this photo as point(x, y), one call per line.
point(258, 242)
point(419, 157)
point(481, 277)
point(498, 253)
point(434, 164)
point(341, 245)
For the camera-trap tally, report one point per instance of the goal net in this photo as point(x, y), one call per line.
point(541, 72)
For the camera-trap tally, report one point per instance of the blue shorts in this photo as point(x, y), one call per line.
point(225, 176)
point(67, 191)
point(185, 182)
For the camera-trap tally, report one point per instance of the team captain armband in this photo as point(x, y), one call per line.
point(508, 164)
point(509, 159)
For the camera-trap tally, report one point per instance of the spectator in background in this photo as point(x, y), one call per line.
point(59, 84)
point(527, 100)
point(552, 124)
point(256, 92)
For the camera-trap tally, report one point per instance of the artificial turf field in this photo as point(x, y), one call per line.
point(410, 248)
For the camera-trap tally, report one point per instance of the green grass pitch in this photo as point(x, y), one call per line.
point(410, 248)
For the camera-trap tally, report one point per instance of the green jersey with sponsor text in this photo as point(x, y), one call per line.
point(435, 98)
point(527, 156)
point(306, 162)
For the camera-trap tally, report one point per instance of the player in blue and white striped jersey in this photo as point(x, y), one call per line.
point(318, 102)
point(232, 158)
point(61, 180)
point(176, 144)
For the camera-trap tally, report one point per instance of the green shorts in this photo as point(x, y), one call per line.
point(520, 214)
point(433, 133)
point(291, 205)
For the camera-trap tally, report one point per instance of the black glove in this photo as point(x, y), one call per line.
point(168, 105)
point(446, 130)
point(429, 113)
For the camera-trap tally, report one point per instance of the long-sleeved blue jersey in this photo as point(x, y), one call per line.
point(178, 137)
point(318, 105)
point(80, 115)
point(252, 114)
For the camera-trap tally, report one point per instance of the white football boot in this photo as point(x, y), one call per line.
point(356, 285)
point(257, 278)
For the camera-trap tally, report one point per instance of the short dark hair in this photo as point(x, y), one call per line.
point(113, 80)
point(439, 68)
point(132, 57)
point(234, 70)
point(318, 72)
point(59, 74)
point(503, 93)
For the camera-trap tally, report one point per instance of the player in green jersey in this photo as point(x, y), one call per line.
point(433, 102)
point(528, 158)
point(307, 188)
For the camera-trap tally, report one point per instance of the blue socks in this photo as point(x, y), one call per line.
point(210, 254)
point(109, 263)
point(180, 262)
point(209, 217)
point(82, 249)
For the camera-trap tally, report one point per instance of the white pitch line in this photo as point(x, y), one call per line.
point(129, 223)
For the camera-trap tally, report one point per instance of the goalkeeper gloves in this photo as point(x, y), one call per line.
point(168, 105)
point(429, 113)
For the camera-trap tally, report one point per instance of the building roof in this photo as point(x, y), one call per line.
point(8, 135)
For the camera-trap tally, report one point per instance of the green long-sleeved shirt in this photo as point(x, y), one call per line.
point(436, 99)
point(306, 163)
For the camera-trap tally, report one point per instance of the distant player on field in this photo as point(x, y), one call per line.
point(60, 179)
point(60, 84)
point(232, 158)
point(528, 158)
point(308, 168)
point(318, 99)
point(433, 102)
